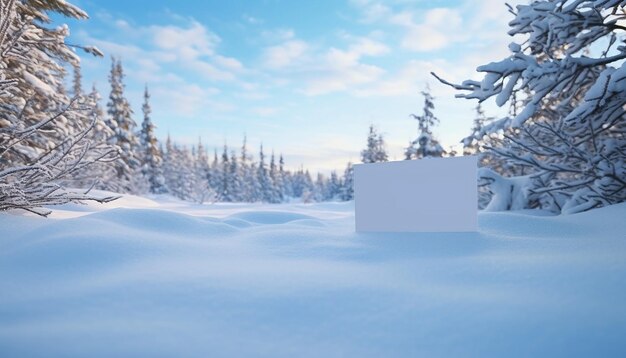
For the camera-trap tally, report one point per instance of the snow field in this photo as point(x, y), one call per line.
point(141, 277)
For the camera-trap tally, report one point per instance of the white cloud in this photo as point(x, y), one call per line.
point(440, 28)
point(319, 71)
point(285, 54)
point(371, 11)
point(341, 78)
point(342, 70)
point(209, 71)
point(368, 47)
point(187, 43)
point(410, 80)
point(185, 100)
point(228, 62)
point(341, 73)
point(192, 47)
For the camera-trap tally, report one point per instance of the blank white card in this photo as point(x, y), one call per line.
point(426, 195)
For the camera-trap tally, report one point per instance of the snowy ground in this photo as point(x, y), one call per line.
point(162, 278)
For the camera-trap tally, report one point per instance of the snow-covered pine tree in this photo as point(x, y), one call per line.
point(152, 160)
point(334, 187)
point(203, 173)
point(276, 181)
point(375, 150)
point(235, 178)
point(215, 176)
point(225, 187)
point(571, 133)
point(101, 131)
point(123, 126)
point(244, 173)
point(180, 172)
point(319, 188)
point(297, 183)
point(308, 187)
point(43, 139)
point(91, 113)
point(170, 167)
point(381, 149)
point(255, 186)
point(347, 191)
point(285, 179)
point(203, 190)
point(425, 145)
point(187, 178)
point(266, 189)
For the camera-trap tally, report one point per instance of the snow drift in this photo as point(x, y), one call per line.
point(160, 277)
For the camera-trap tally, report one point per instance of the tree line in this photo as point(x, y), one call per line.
point(146, 166)
point(561, 148)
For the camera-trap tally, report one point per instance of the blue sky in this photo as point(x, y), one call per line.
point(306, 78)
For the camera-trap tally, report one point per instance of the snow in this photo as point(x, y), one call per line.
point(159, 277)
point(39, 85)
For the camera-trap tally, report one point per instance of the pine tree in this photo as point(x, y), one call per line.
point(225, 190)
point(202, 191)
point(235, 179)
point(425, 145)
point(245, 173)
point(276, 182)
point(375, 150)
point(122, 124)
point(180, 173)
point(92, 115)
point(170, 167)
point(187, 179)
point(215, 176)
point(264, 182)
point(308, 187)
point(334, 187)
point(320, 187)
point(347, 192)
point(101, 131)
point(152, 158)
point(285, 179)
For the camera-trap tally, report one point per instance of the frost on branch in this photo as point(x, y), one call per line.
point(44, 136)
point(570, 137)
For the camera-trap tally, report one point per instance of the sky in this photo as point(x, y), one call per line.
point(304, 78)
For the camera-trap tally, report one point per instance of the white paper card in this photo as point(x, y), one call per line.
point(426, 195)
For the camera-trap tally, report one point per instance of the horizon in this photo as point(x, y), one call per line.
point(307, 82)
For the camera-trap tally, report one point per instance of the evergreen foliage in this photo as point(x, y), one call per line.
point(152, 161)
point(425, 145)
point(122, 125)
point(45, 137)
point(375, 150)
point(565, 150)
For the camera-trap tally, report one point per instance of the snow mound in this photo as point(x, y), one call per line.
point(289, 280)
point(270, 217)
